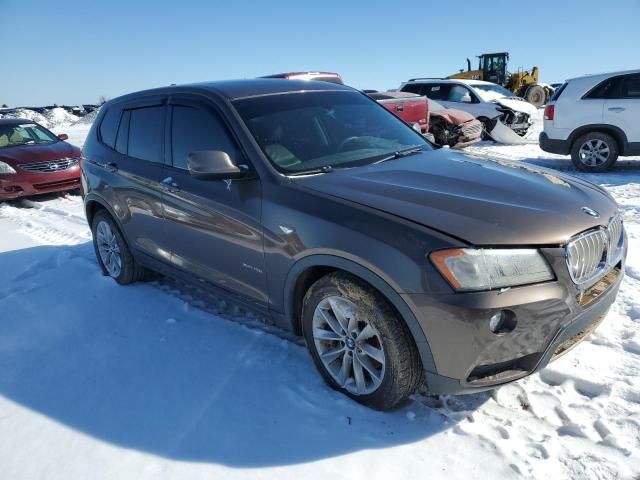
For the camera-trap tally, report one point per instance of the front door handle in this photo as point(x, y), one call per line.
point(111, 166)
point(169, 185)
point(617, 109)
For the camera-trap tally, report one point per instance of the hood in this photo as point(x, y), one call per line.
point(517, 104)
point(38, 153)
point(453, 115)
point(482, 202)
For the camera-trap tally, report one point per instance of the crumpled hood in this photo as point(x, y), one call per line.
point(453, 115)
point(38, 153)
point(482, 202)
point(519, 105)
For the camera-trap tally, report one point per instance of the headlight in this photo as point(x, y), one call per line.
point(6, 168)
point(470, 269)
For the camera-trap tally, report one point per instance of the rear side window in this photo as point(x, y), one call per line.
point(558, 92)
point(123, 133)
point(412, 88)
point(109, 127)
point(195, 129)
point(609, 88)
point(146, 133)
point(437, 91)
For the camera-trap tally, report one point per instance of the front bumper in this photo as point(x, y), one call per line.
point(25, 184)
point(552, 317)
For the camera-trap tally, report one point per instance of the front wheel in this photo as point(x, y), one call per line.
point(358, 343)
point(594, 152)
point(114, 256)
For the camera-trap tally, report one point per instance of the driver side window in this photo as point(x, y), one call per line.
point(194, 129)
point(459, 94)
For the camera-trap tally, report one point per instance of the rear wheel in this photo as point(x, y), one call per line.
point(594, 152)
point(112, 251)
point(358, 343)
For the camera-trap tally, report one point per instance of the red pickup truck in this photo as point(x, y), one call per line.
point(412, 108)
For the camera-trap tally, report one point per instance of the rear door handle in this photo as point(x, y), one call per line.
point(169, 185)
point(617, 109)
point(111, 166)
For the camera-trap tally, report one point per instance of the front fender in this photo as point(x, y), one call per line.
point(375, 280)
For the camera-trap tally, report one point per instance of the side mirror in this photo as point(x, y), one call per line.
point(466, 98)
point(214, 165)
point(63, 136)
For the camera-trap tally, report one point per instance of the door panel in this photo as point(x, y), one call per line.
point(136, 184)
point(215, 229)
point(624, 110)
point(625, 114)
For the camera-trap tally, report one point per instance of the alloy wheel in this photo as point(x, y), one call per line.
point(594, 152)
point(109, 249)
point(348, 345)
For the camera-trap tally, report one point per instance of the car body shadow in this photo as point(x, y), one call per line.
point(143, 369)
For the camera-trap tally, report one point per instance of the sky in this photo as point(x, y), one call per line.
point(74, 51)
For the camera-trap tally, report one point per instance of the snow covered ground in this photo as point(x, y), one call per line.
point(151, 381)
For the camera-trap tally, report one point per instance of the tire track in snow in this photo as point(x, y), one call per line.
point(48, 225)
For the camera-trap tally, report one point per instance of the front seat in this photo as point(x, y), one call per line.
point(271, 136)
point(16, 138)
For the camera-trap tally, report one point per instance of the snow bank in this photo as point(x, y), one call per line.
point(88, 119)
point(54, 118)
point(28, 114)
point(59, 117)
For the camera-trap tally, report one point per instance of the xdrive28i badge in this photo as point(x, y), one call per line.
point(591, 211)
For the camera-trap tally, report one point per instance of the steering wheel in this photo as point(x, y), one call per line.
point(344, 143)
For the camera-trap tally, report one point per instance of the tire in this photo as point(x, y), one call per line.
point(383, 345)
point(107, 235)
point(594, 152)
point(535, 95)
point(485, 123)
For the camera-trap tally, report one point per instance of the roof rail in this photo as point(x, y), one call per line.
point(426, 78)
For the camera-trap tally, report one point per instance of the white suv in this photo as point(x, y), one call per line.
point(595, 119)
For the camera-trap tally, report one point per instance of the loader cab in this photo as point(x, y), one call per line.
point(494, 67)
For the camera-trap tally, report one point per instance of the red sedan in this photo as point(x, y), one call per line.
point(33, 160)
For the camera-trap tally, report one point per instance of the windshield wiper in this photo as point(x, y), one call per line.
point(401, 153)
point(324, 169)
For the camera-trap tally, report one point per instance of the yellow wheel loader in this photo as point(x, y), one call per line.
point(492, 67)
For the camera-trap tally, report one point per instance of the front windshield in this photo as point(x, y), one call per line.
point(309, 131)
point(490, 92)
point(24, 134)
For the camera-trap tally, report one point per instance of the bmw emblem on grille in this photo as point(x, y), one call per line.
point(591, 211)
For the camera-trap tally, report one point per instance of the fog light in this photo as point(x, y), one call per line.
point(502, 322)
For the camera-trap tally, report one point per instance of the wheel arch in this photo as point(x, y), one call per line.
point(616, 132)
point(308, 270)
point(94, 203)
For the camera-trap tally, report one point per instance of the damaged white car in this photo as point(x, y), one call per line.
point(506, 119)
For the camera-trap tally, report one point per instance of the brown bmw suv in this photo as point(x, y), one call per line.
point(308, 201)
